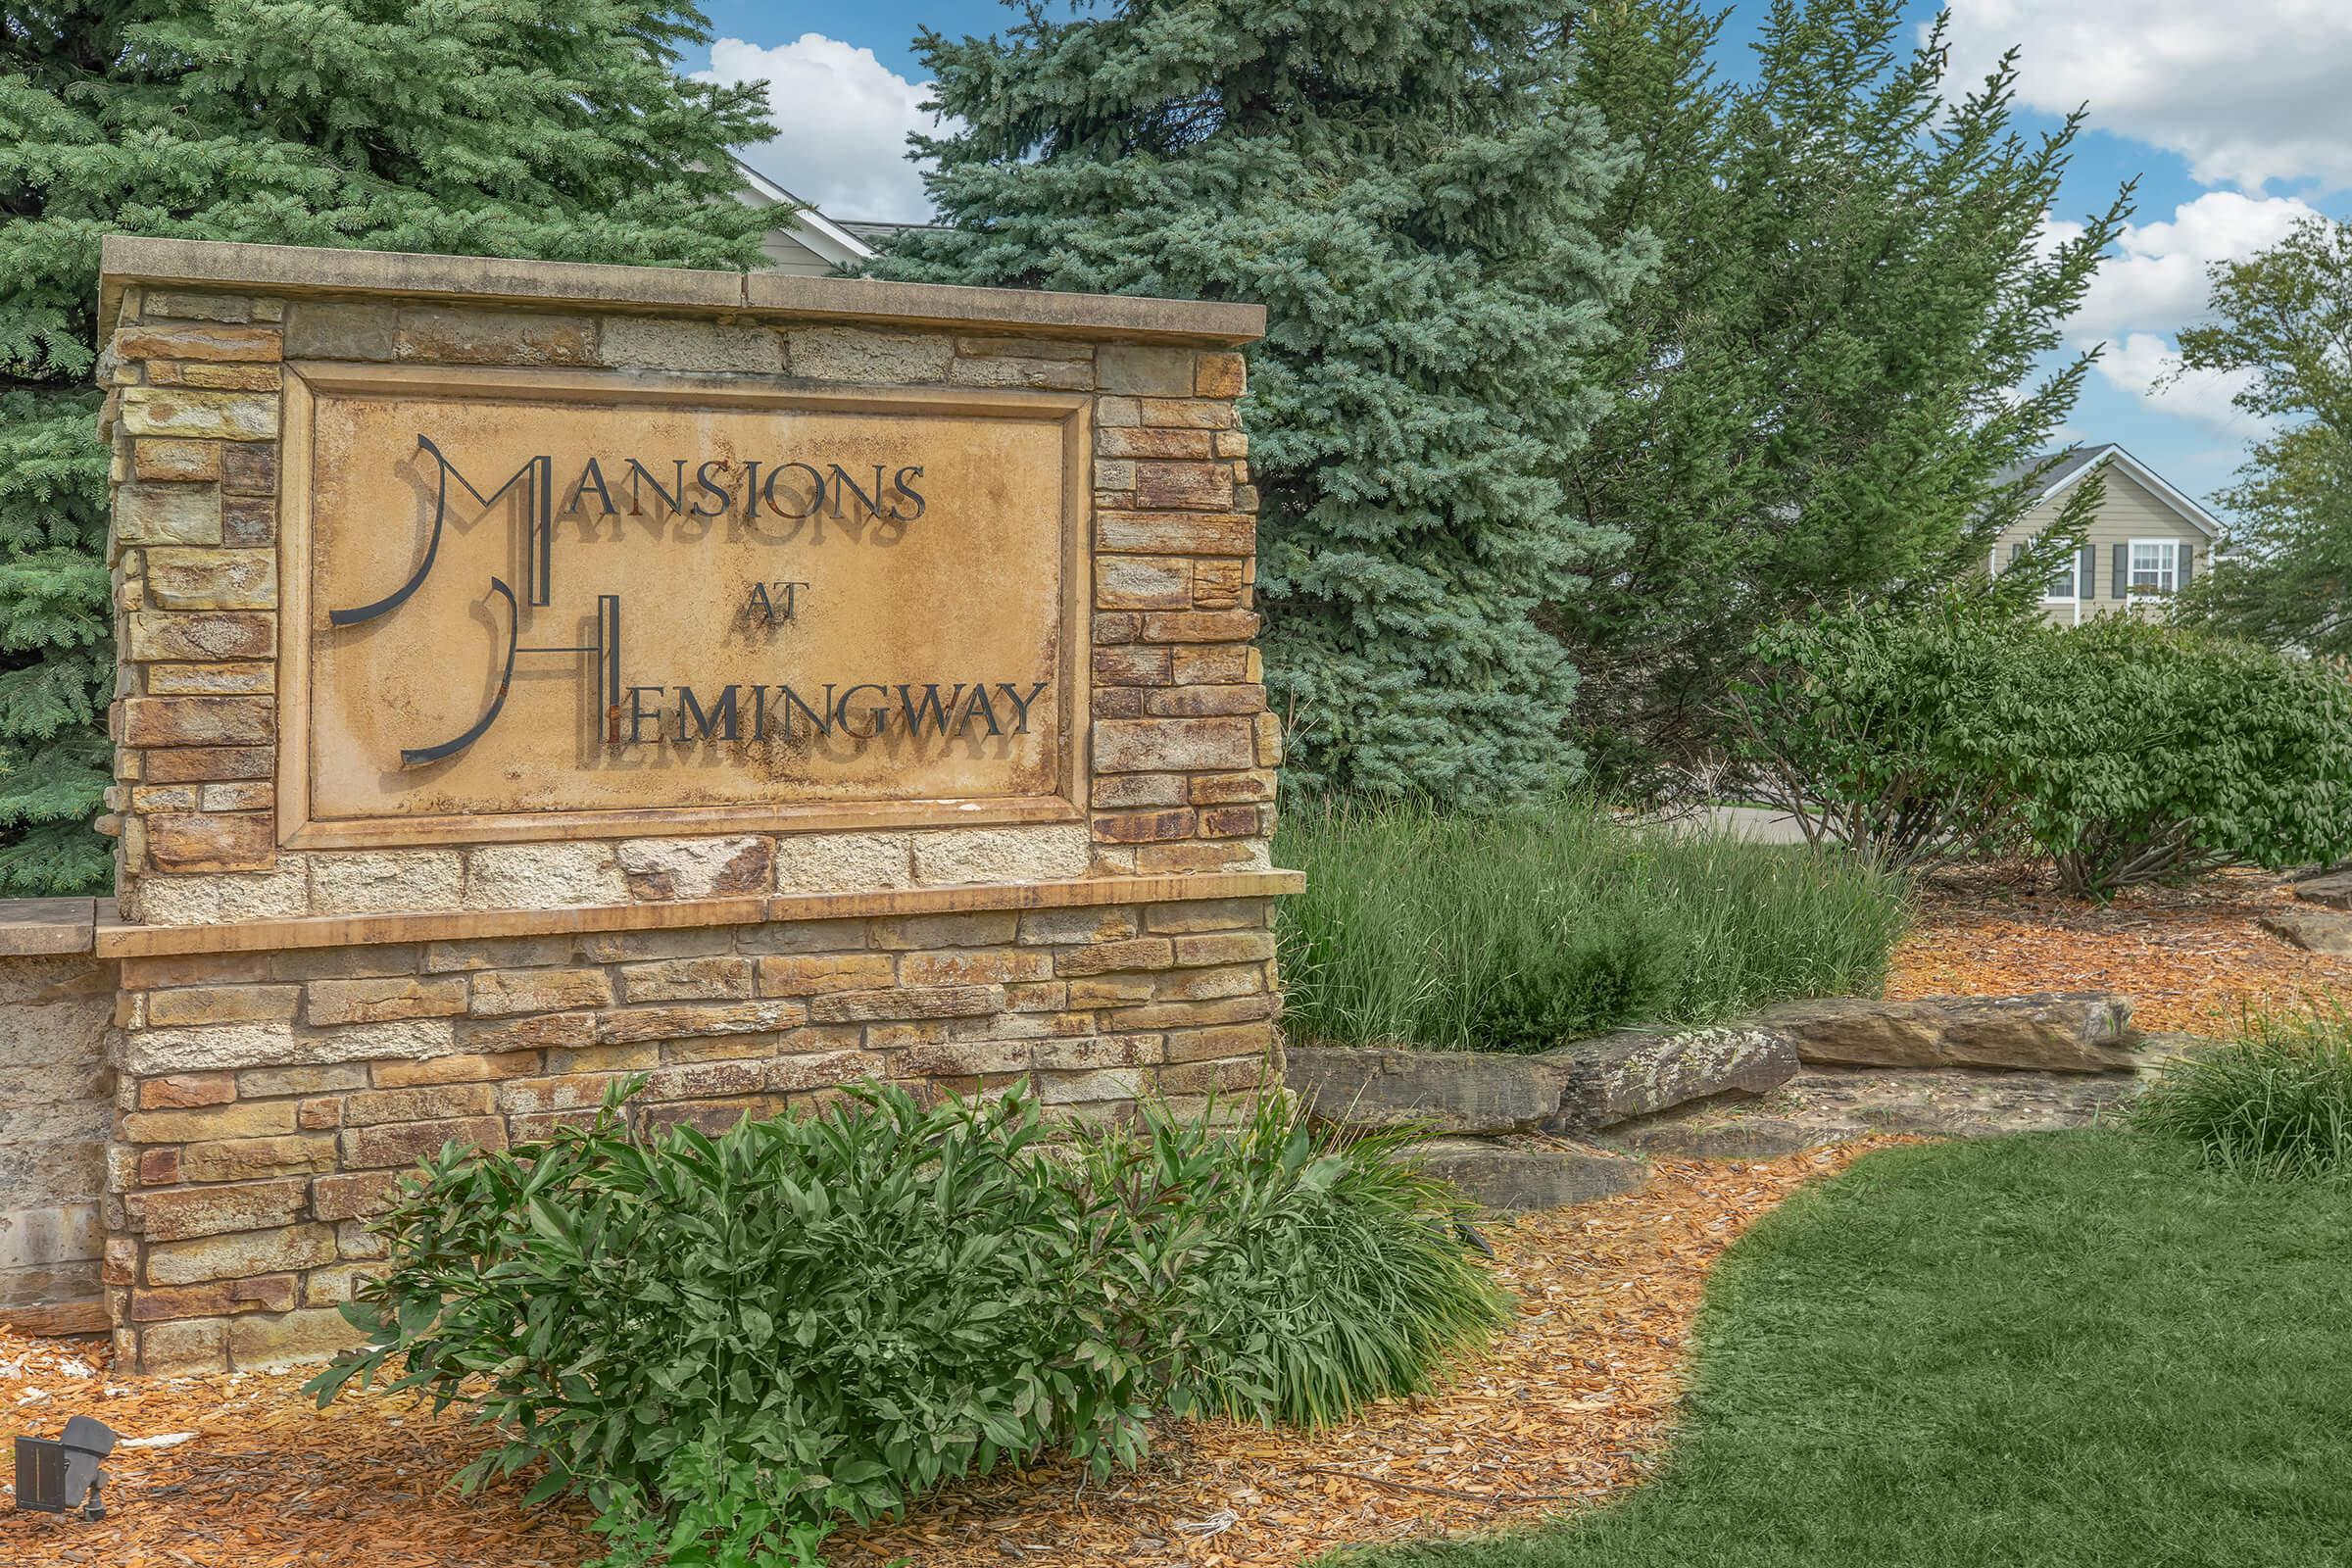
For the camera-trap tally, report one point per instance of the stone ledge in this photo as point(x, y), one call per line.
point(116, 939)
point(81, 1316)
point(128, 261)
point(39, 926)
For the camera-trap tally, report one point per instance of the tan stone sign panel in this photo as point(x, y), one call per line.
point(548, 603)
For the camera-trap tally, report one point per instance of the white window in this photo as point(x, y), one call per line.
point(2155, 566)
point(2061, 590)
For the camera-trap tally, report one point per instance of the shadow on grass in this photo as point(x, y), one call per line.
point(2064, 1350)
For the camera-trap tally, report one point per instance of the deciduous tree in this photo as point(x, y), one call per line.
point(2283, 320)
point(1843, 348)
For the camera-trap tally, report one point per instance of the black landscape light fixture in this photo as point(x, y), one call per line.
point(54, 1475)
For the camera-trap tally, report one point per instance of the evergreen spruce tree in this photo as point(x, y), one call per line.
point(1410, 191)
point(548, 128)
point(1855, 328)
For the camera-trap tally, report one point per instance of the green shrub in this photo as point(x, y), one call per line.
point(736, 1339)
point(1320, 1274)
point(2276, 1102)
point(728, 1343)
point(2124, 750)
point(1514, 932)
point(1886, 732)
point(2162, 752)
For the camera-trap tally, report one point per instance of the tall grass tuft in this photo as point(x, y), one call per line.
point(1518, 931)
point(1325, 1273)
point(2276, 1102)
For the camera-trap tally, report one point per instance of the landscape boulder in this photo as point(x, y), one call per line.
point(1521, 1177)
point(1465, 1092)
point(2330, 889)
point(1709, 1135)
point(1833, 1104)
point(1638, 1072)
point(2048, 1032)
point(2312, 930)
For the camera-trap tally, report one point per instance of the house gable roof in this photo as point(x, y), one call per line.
point(812, 229)
point(2070, 469)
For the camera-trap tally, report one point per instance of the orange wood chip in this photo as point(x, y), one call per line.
point(1571, 1405)
point(2191, 958)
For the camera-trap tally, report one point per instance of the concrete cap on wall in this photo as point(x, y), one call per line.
point(29, 927)
point(128, 261)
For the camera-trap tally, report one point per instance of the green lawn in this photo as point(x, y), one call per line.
point(2074, 1349)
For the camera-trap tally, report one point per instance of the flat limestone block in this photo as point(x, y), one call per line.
point(2050, 1032)
point(1706, 1135)
point(1471, 1091)
point(1834, 1104)
point(2312, 930)
point(2331, 889)
point(1522, 1177)
point(1632, 1072)
point(46, 925)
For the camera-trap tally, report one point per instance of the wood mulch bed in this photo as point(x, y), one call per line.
point(2191, 958)
point(1571, 1405)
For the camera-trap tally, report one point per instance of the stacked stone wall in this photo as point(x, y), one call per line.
point(269, 1100)
point(56, 1094)
point(297, 1023)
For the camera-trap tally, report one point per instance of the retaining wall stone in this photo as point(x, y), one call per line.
point(1522, 1177)
point(1633, 1073)
point(2053, 1031)
point(1465, 1092)
point(56, 1016)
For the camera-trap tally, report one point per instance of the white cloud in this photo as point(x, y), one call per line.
point(842, 119)
point(2160, 279)
point(2147, 365)
point(2154, 282)
point(2248, 91)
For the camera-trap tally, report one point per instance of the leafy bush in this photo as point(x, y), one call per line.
point(2123, 751)
point(738, 1338)
point(1884, 732)
point(2161, 752)
point(1323, 1273)
point(2276, 1102)
point(1514, 932)
point(728, 1343)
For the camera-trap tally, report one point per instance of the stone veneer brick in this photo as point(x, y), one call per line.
point(260, 1124)
point(267, 1103)
point(195, 418)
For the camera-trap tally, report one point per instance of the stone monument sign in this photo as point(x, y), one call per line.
point(538, 674)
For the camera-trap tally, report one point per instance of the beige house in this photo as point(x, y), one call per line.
point(2143, 545)
point(805, 243)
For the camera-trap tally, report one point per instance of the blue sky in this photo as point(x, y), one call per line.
point(2237, 119)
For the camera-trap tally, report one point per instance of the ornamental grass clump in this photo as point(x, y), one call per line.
point(1518, 930)
point(729, 1345)
point(2274, 1103)
point(1318, 1272)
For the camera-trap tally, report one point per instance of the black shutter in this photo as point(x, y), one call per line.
point(2189, 555)
point(2088, 587)
point(2121, 588)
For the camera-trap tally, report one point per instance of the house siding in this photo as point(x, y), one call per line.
point(789, 256)
point(2131, 511)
